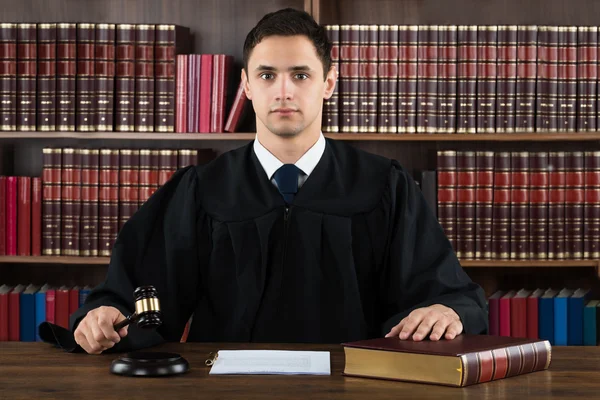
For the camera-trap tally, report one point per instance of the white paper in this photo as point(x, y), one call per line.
point(282, 362)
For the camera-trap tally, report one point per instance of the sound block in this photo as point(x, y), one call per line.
point(149, 363)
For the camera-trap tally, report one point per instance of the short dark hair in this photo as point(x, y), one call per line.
point(290, 22)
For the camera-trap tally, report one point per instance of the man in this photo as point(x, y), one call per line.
point(292, 238)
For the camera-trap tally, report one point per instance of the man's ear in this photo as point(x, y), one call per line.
point(246, 84)
point(330, 82)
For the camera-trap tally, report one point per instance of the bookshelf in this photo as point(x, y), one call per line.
point(220, 27)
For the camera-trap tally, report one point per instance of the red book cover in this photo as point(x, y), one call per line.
point(2, 215)
point(222, 65)
point(193, 92)
point(4, 291)
point(505, 329)
point(518, 314)
point(36, 216)
point(61, 312)
point(237, 109)
point(24, 216)
point(181, 125)
point(533, 314)
point(14, 320)
point(494, 312)
point(73, 299)
point(11, 216)
point(206, 79)
point(51, 306)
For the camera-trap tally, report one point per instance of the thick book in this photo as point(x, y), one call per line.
point(463, 361)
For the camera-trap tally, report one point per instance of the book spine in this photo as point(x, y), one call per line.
point(367, 84)
point(538, 207)
point(507, 79)
point(186, 157)
point(167, 165)
point(587, 77)
point(591, 211)
point(66, 72)
point(3, 215)
point(11, 216)
point(501, 209)
point(144, 78)
point(129, 172)
point(171, 40)
point(568, 63)
point(193, 90)
point(484, 197)
point(89, 202)
point(46, 79)
point(331, 105)
point(527, 74)
point(552, 83)
point(104, 77)
point(466, 179)
point(446, 119)
point(221, 71)
point(86, 78)
point(467, 79)
point(408, 61)
point(125, 78)
point(181, 121)
point(148, 175)
point(447, 181)
point(556, 205)
point(235, 114)
point(108, 201)
point(487, 55)
point(8, 77)
point(36, 216)
point(519, 207)
point(490, 365)
point(26, 76)
point(51, 201)
point(349, 77)
point(574, 204)
point(24, 216)
point(427, 79)
point(203, 117)
point(71, 202)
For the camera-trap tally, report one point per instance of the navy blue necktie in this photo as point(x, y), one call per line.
point(287, 181)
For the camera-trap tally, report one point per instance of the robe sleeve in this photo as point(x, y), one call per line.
point(421, 268)
point(158, 246)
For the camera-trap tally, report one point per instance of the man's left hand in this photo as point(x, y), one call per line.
point(439, 320)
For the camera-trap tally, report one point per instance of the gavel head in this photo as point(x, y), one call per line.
point(147, 307)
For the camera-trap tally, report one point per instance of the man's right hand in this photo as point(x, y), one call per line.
point(96, 333)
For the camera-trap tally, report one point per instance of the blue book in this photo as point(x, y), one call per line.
point(590, 323)
point(40, 309)
point(27, 314)
point(576, 304)
point(546, 315)
point(561, 317)
point(83, 294)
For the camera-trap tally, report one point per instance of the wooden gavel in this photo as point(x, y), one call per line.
point(147, 313)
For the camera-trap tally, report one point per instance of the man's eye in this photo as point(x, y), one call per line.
point(266, 76)
point(301, 76)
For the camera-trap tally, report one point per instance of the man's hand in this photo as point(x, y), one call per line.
point(96, 333)
point(437, 319)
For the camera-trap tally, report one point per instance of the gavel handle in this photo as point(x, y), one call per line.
point(132, 318)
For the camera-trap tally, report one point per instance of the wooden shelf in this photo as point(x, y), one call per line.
point(464, 263)
point(418, 137)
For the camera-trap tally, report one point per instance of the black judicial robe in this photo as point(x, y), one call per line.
point(356, 252)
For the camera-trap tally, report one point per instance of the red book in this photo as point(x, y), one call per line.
point(181, 125)
point(61, 312)
point(505, 313)
point(533, 314)
point(14, 321)
point(73, 299)
point(36, 216)
point(24, 216)
point(4, 290)
point(518, 313)
point(2, 215)
point(494, 312)
point(222, 65)
point(237, 110)
point(51, 306)
point(206, 79)
point(11, 216)
point(463, 361)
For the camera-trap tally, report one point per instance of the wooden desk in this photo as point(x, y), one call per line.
point(36, 370)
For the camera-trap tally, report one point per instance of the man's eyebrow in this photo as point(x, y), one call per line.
point(294, 68)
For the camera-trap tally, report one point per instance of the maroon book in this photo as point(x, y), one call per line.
point(86, 78)
point(11, 216)
point(36, 216)
point(8, 77)
point(125, 78)
point(367, 81)
point(467, 79)
point(466, 179)
point(487, 71)
point(349, 77)
point(3, 215)
point(446, 108)
point(519, 206)
point(237, 109)
point(538, 206)
point(71, 202)
point(574, 204)
point(88, 245)
point(222, 66)
point(26, 76)
point(484, 197)
point(104, 64)
point(446, 194)
point(331, 105)
point(66, 71)
point(144, 78)
point(501, 235)
point(181, 125)
point(46, 79)
point(24, 216)
point(427, 79)
point(556, 205)
point(587, 76)
point(51, 201)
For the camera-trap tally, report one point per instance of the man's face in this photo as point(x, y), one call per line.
point(285, 83)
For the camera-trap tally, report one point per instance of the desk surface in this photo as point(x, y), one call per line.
point(37, 370)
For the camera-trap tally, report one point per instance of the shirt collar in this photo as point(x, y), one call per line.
point(306, 163)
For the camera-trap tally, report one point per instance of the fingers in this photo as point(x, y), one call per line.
point(106, 327)
point(396, 329)
point(96, 332)
point(435, 321)
point(413, 320)
point(455, 329)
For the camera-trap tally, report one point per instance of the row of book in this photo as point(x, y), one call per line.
point(89, 194)
point(564, 317)
point(24, 308)
point(89, 77)
point(518, 205)
point(463, 79)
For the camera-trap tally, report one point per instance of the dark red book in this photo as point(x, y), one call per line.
point(518, 313)
point(505, 313)
point(349, 77)
point(89, 203)
point(447, 79)
point(2, 215)
point(447, 178)
point(206, 89)
point(104, 68)
point(24, 216)
point(237, 109)
point(484, 203)
point(46, 79)
point(487, 73)
point(519, 206)
point(73, 299)
point(66, 71)
point(501, 207)
point(467, 79)
point(587, 77)
point(86, 78)
point(11, 216)
point(26, 76)
point(144, 77)
point(507, 78)
point(331, 105)
point(14, 311)
point(591, 206)
point(8, 77)
point(574, 204)
point(463, 361)
point(427, 79)
point(125, 78)
point(4, 291)
point(527, 57)
point(367, 84)
point(465, 204)
point(51, 305)
point(194, 67)
point(222, 66)
point(61, 311)
point(108, 201)
point(181, 125)
point(538, 206)
point(533, 314)
point(36, 216)
point(51, 201)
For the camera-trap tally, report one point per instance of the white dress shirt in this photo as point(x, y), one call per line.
point(306, 163)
